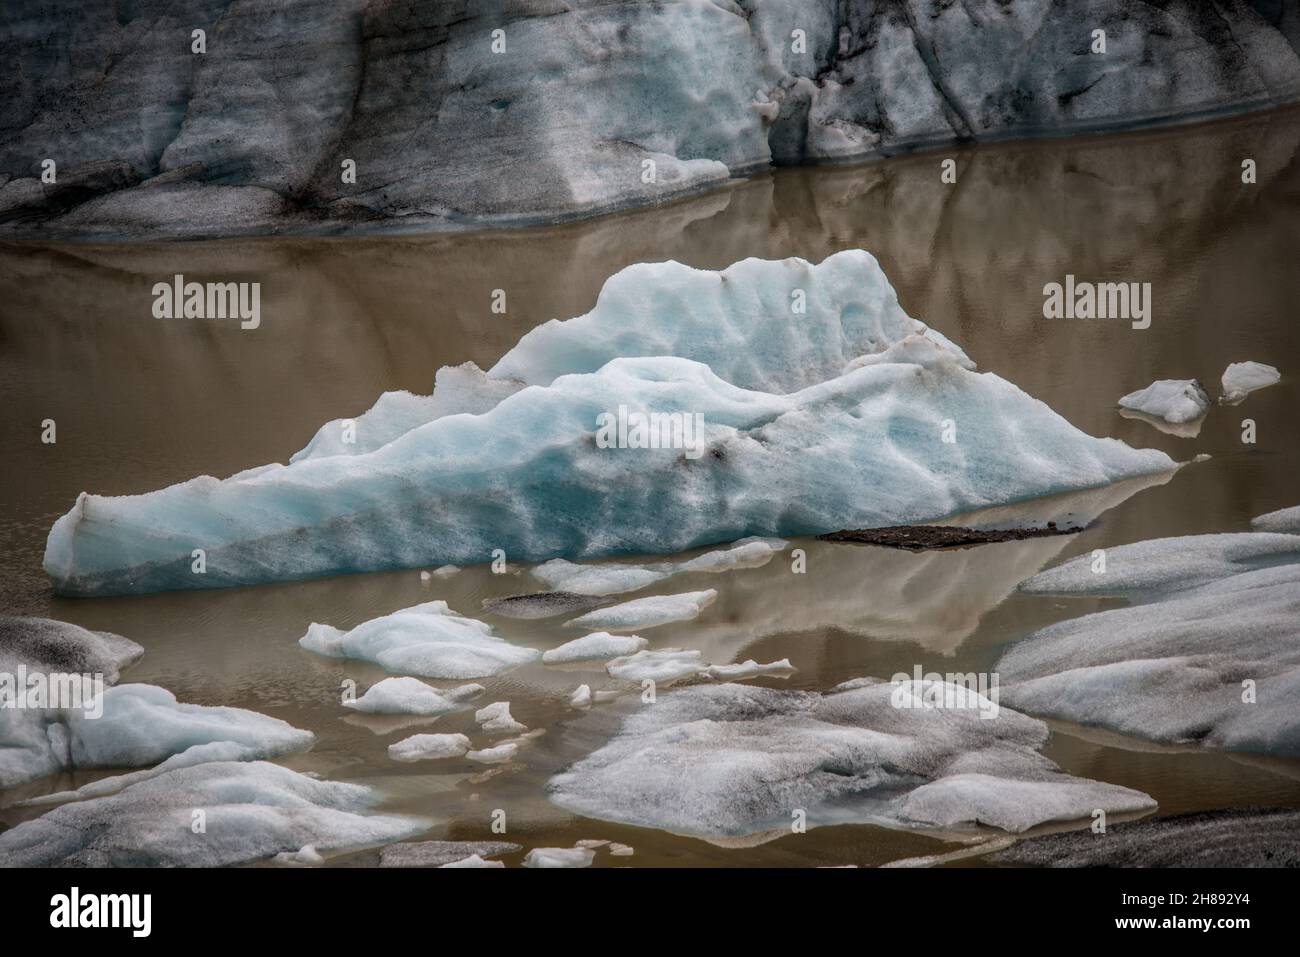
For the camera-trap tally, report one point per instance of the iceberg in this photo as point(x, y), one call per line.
point(648, 612)
point(252, 812)
point(598, 646)
point(413, 696)
point(429, 640)
point(662, 666)
point(727, 761)
point(496, 719)
point(427, 747)
point(1178, 401)
point(824, 406)
point(1242, 378)
point(1206, 657)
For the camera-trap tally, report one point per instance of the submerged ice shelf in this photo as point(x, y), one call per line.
point(813, 419)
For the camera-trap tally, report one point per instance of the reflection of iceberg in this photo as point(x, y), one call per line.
point(824, 405)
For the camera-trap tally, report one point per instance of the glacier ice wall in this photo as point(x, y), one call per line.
point(447, 131)
point(861, 445)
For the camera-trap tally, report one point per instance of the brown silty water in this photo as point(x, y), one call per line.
point(142, 403)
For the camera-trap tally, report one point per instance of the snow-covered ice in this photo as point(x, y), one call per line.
point(1215, 663)
point(661, 666)
point(440, 853)
point(413, 696)
point(496, 719)
point(749, 669)
point(429, 640)
point(1166, 564)
point(494, 755)
point(732, 760)
point(429, 747)
point(598, 646)
point(1174, 400)
point(1286, 520)
point(809, 426)
point(1242, 378)
point(253, 811)
point(559, 857)
point(647, 612)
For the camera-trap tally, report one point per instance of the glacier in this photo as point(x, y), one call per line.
point(815, 420)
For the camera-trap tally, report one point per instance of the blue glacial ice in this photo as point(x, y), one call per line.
point(824, 407)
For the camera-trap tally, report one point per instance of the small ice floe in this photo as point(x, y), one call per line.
point(1178, 401)
point(413, 696)
point(1207, 657)
point(445, 571)
point(305, 856)
point(581, 698)
point(730, 760)
point(497, 755)
point(1239, 837)
point(621, 850)
point(1242, 378)
point(661, 666)
point(647, 612)
point(1165, 564)
point(598, 646)
point(474, 861)
point(496, 719)
point(250, 812)
point(429, 747)
point(441, 853)
point(1284, 520)
point(590, 843)
point(749, 669)
point(429, 640)
point(615, 578)
point(559, 857)
point(545, 604)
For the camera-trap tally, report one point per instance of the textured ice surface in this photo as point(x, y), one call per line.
point(473, 861)
point(581, 697)
point(429, 640)
point(733, 760)
point(1242, 378)
point(663, 665)
point(253, 811)
point(1285, 520)
point(439, 853)
point(1174, 400)
point(496, 719)
point(793, 442)
point(413, 696)
point(613, 579)
point(1215, 664)
point(426, 747)
point(559, 857)
point(495, 755)
point(647, 612)
point(598, 646)
point(749, 669)
point(1166, 564)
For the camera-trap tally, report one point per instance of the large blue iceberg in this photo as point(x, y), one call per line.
point(803, 399)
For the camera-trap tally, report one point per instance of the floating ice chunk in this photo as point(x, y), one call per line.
point(134, 725)
point(429, 747)
point(598, 646)
point(660, 666)
point(1166, 564)
point(732, 760)
point(497, 755)
point(429, 640)
point(253, 811)
point(1285, 520)
point(824, 449)
point(445, 571)
point(439, 853)
point(496, 719)
point(1174, 671)
point(474, 861)
point(1174, 400)
point(306, 856)
point(749, 669)
point(545, 604)
point(559, 857)
point(647, 612)
point(581, 698)
point(1242, 378)
point(413, 696)
point(613, 579)
point(621, 850)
